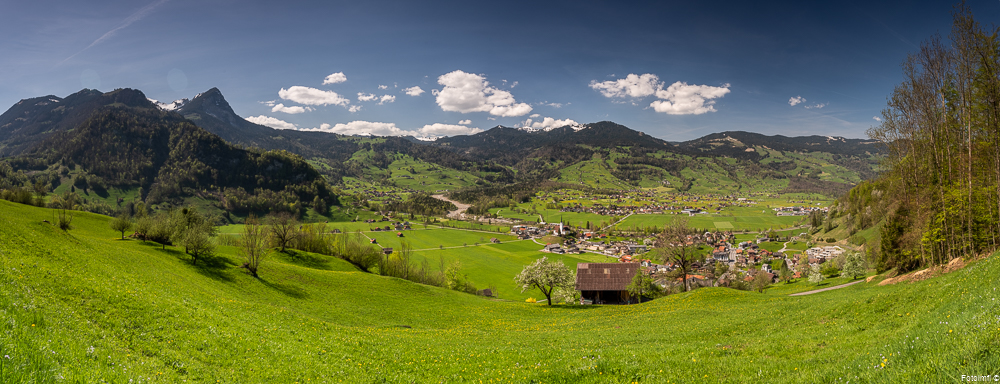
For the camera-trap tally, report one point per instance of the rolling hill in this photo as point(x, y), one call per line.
point(85, 306)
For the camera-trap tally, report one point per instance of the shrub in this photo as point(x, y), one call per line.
point(312, 238)
point(228, 240)
point(856, 239)
point(830, 269)
point(64, 220)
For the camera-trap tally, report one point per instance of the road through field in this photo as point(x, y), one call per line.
point(616, 223)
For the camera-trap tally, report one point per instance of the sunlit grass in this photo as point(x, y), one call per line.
point(84, 306)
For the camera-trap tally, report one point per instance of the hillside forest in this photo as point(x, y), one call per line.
point(939, 196)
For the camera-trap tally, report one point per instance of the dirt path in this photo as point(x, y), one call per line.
point(456, 213)
point(827, 289)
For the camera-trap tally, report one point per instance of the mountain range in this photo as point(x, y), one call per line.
point(202, 147)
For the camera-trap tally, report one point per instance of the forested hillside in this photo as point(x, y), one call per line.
point(125, 143)
point(940, 195)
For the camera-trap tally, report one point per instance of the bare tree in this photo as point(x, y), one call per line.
point(284, 229)
point(253, 244)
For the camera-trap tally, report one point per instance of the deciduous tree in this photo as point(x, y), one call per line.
point(815, 276)
point(854, 265)
point(761, 281)
point(643, 285)
point(284, 229)
point(122, 224)
point(680, 246)
point(253, 244)
point(545, 275)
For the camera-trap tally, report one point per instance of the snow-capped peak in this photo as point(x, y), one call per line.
point(176, 104)
point(526, 128)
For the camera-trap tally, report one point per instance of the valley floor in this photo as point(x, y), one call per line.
point(86, 306)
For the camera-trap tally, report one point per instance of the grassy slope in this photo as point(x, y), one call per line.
point(428, 177)
point(87, 307)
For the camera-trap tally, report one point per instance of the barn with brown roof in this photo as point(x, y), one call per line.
point(605, 283)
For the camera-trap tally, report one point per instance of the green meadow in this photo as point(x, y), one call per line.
point(713, 221)
point(495, 265)
point(84, 306)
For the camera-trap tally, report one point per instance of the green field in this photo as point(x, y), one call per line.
point(436, 237)
point(712, 221)
point(84, 306)
point(495, 265)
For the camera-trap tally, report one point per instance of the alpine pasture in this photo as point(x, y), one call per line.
point(85, 306)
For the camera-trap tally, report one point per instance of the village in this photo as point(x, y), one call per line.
point(725, 259)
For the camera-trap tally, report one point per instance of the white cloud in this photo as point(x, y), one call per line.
point(413, 91)
point(554, 105)
point(271, 122)
point(679, 98)
point(632, 85)
point(465, 122)
point(684, 99)
point(438, 129)
point(383, 87)
point(514, 84)
point(386, 99)
point(793, 101)
point(290, 110)
point(876, 118)
point(467, 92)
point(548, 123)
point(817, 106)
point(366, 96)
point(335, 78)
point(534, 115)
point(354, 108)
point(360, 127)
point(312, 96)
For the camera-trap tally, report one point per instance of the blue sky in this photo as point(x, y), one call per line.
point(351, 67)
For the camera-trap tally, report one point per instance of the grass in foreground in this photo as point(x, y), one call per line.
point(85, 307)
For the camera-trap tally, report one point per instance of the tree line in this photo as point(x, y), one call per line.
point(940, 193)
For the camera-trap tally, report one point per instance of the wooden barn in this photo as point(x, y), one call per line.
point(605, 283)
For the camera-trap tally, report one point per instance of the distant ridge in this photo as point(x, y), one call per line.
point(606, 154)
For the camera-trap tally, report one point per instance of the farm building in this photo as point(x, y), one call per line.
point(605, 283)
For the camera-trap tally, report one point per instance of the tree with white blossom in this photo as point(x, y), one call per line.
point(547, 276)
